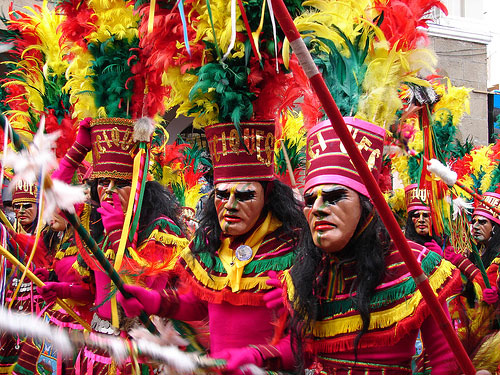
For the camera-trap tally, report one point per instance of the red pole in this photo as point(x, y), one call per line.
point(331, 109)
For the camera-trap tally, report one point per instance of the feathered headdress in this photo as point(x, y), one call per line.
point(33, 86)
point(221, 60)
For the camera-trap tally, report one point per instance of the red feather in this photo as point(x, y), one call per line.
point(79, 22)
point(403, 21)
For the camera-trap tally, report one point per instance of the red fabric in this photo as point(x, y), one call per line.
point(327, 158)
point(24, 192)
point(25, 243)
point(230, 326)
point(416, 198)
point(112, 145)
point(436, 346)
point(231, 161)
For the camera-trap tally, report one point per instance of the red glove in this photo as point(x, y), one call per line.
point(142, 299)
point(42, 274)
point(433, 246)
point(490, 295)
point(237, 357)
point(52, 290)
point(112, 214)
point(273, 298)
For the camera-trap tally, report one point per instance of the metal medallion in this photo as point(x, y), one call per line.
point(243, 252)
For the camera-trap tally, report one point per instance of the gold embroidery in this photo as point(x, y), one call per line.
point(234, 141)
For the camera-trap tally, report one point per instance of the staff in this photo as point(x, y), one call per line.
point(337, 121)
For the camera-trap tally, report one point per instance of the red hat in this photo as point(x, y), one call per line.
point(230, 159)
point(113, 147)
point(416, 198)
point(484, 210)
point(24, 192)
point(327, 161)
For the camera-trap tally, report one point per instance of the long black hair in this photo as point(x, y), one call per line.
point(492, 247)
point(280, 202)
point(412, 235)
point(157, 202)
point(312, 266)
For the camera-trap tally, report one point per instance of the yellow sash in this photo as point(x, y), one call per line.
point(233, 265)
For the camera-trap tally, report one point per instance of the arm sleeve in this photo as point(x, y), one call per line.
point(277, 357)
point(440, 355)
point(186, 307)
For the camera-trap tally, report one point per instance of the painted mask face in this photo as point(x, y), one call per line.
point(25, 213)
point(481, 228)
point(333, 212)
point(107, 186)
point(421, 221)
point(239, 206)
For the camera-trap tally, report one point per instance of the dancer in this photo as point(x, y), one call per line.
point(356, 308)
point(250, 226)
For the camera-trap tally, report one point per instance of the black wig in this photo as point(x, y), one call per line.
point(412, 235)
point(280, 202)
point(312, 266)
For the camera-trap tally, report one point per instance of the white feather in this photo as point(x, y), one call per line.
point(448, 176)
point(460, 205)
point(63, 196)
point(29, 325)
point(5, 47)
point(28, 163)
point(143, 129)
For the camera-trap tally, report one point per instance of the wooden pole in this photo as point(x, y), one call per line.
point(12, 259)
point(337, 121)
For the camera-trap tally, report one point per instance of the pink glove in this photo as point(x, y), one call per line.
point(490, 295)
point(452, 257)
point(273, 298)
point(143, 299)
point(433, 246)
point(83, 135)
point(112, 214)
point(75, 154)
point(237, 357)
point(42, 274)
point(52, 290)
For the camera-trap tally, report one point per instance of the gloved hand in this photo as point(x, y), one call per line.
point(75, 154)
point(42, 274)
point(83, 135)
point(52, 290)
point(237, 357)
point(452, 257)
point(273, 298)
point(143, 299)
point(112, 214)
point(490, 295)
point(433, 246)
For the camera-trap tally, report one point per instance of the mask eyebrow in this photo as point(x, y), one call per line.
point(244, 195)
point(222, 194)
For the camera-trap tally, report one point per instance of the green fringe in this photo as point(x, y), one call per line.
point(255, 266)
point(385, 297)
point(162, 223)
